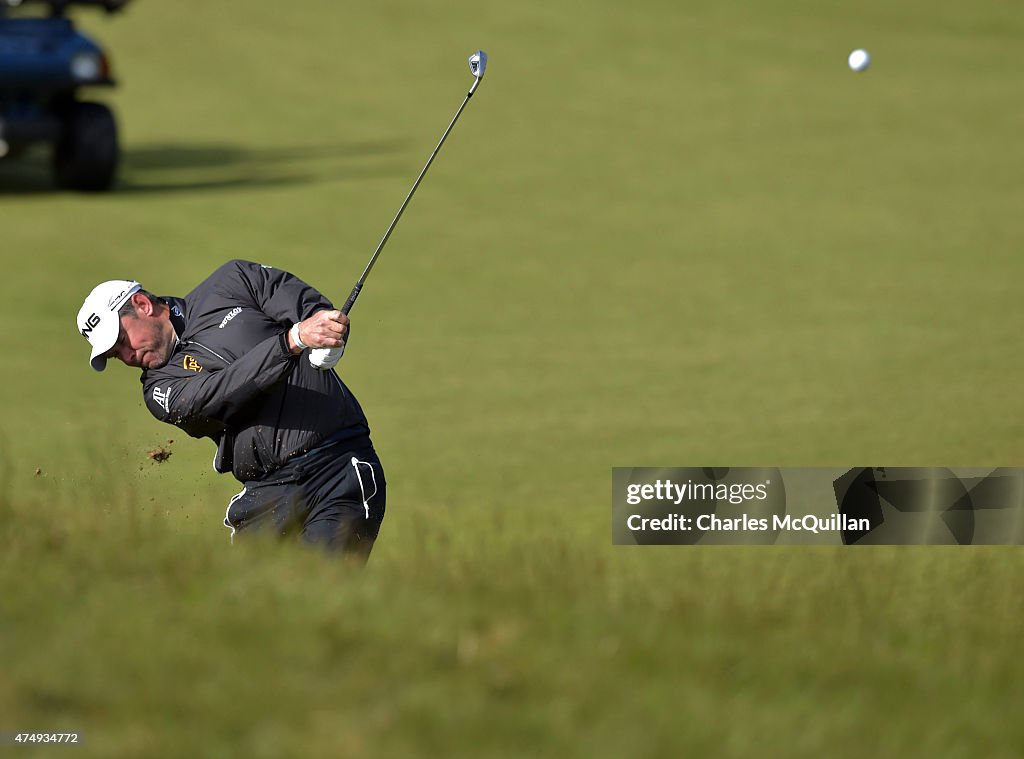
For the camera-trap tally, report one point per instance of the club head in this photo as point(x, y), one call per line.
point(478, 63)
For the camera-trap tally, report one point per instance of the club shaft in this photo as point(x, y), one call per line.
point(373, 259)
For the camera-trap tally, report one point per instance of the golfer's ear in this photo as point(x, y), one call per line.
point(143, 305)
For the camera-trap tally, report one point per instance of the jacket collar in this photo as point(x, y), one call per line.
point(177, 306)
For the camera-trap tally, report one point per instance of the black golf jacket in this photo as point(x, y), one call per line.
point(231, 377)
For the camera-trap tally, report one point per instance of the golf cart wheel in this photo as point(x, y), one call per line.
point(86, 156)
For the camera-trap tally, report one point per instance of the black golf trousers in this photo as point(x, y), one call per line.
point(333, 497)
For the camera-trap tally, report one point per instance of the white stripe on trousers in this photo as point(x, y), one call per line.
point(226, 511)
point(355, 465)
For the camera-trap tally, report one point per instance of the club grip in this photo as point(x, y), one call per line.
point(351, 299)
point(326, 358)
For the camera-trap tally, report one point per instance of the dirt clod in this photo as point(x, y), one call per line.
point(159, 455)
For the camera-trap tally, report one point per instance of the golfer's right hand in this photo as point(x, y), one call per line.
point(324, 329)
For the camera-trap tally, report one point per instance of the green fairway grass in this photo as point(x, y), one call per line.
point(661, 234)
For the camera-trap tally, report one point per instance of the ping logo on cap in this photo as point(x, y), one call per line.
point(90, 324)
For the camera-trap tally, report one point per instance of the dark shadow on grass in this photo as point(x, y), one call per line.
point(129, 186)
point(168, 156)
point(27, 175)
point(190, 167)
point(199, 167)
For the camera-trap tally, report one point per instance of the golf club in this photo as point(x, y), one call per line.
point(325, 358)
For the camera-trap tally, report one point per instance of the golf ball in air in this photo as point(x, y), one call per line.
point(859, 60)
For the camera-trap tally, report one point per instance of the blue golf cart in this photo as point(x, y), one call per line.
point(44, 65)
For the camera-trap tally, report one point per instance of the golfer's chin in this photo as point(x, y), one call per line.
point(154, 360)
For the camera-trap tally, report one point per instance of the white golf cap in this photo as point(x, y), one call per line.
point(98, 321)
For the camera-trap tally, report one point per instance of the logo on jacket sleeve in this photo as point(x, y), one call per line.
point(231, 315)
point(162, 398)
point(191, 364)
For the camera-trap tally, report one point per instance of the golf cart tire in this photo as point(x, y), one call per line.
point(87, 154)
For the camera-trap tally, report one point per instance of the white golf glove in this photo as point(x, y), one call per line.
point(326, 358)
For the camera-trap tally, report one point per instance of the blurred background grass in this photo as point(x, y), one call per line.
point(660, 235)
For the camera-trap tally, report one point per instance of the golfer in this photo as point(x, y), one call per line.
point(229, 361)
